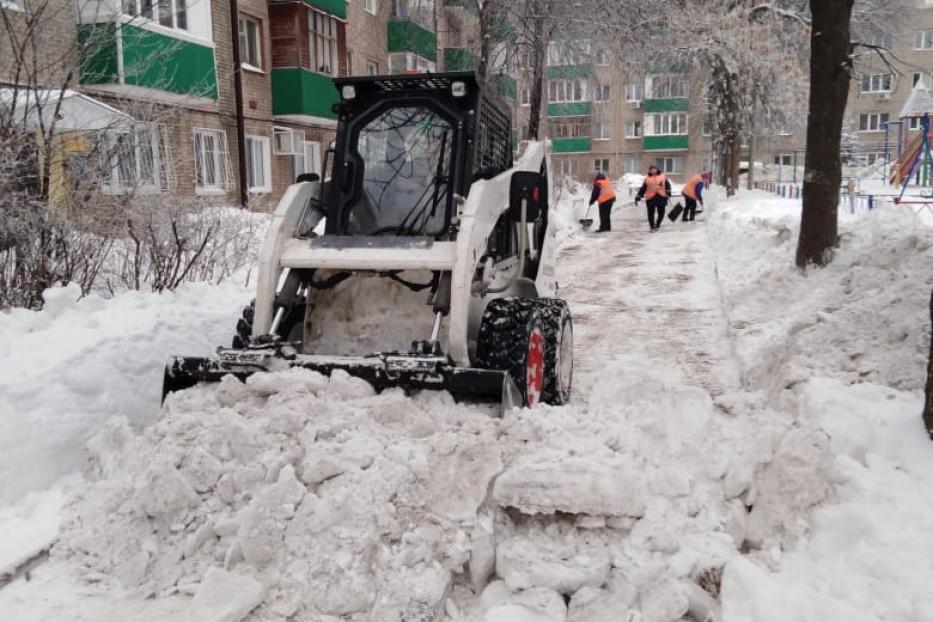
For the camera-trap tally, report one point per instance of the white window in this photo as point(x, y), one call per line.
point(882, 39)
point(602, 93)
point(601, 165)
point(286, 141)
point(923, 40)
point(211, 161)
point(258, 164)
point(561, 53)
point(567, 167)
point(322, 35)
point(525, 99)
point(709, 122)
point(666, 124)
point(308, 161)
point(913, 123)
point(602, 57)
point(673, 164)
point(370, 6)
point(406, 62)
point(633, 129)
point(784, 159)
point(572, 90)
point(632, 92)
point(250, 42)
point(872, 122)
point(877, 83)
point(602, 130)
point(372, 68)
point(570, 127)
point(921, 77)
point(667, 87)
point(136, 160)
point(168, 13)
point(631, 164)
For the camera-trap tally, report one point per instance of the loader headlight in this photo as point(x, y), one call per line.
point(348, 91)
point(458, 88)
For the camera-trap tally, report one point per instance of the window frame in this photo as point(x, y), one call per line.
point(879, 118)
point(661, 163)
point(112, 166)
point(371, 6)
point(220, 160)
point(925, 39)
point(152, 7)
point(876, 83)
point(244, 61)
point(265, 153)
point(633, 87)
point(603, 93)
point(634, 128)
point(598, 165)
point(318, 41)
point(662, 124)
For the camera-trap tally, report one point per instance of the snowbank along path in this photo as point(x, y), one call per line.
point(298, 497)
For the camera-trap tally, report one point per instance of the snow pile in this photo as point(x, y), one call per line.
point(304, 495)
point(863, 318)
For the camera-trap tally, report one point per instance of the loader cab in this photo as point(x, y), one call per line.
point(407, 146)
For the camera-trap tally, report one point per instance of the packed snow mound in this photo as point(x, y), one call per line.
point(863, 318)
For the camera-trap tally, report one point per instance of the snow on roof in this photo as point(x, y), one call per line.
point(919, 103)
point(76, 111)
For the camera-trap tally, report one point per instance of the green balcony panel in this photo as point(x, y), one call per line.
point(299, 91)
point(337, 8)
point(505, 86)
point(665, 143)
point(569, 71)
point(569, 109)
point(466, 4)
point(162, 62)
point(407, 36)
point(458, 59)
point(666, 105)
point(574, 144)
point(97, 48)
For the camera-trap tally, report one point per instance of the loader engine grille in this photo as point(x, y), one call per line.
point(494, 139)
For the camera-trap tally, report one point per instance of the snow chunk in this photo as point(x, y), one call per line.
point(564, 564)
point(225, 597)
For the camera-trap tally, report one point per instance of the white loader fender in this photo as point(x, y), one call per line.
point(487, 200)
point(285, 221)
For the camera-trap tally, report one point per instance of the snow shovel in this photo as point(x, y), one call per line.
point(675, 211)
point(585, 221)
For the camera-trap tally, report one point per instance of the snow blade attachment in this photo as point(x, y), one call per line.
point(405, 370)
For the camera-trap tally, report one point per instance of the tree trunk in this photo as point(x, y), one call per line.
point(928, 403)
point(537, 74)
point(750, 179)
point(830, 72)
point(485, 19)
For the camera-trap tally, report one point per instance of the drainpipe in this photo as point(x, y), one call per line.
point(238, 102)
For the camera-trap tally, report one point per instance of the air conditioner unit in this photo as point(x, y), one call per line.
point(634, 104)
point(884, 96)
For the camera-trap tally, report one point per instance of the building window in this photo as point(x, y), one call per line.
point(921, 77)
point(372, 68)
point(673, 164)
point(135, 160)
point(573, 90)
point(668, 87)
point(406, 62)
point(567, 168)
point(322, 35)
point(632, 92)
point(631, 164)
point(601, 165)
point(602, 57)
point(169, 13)
point(709, 122)
point(561, 53)
point(211, 161)
point(308, 161)
point(250, 42)
point(872, 122)
point(370, 6)
point(667, 124)
point(633, 129)
point(602, 131)
point(882, 40)
point(784, 159)
point(571, 128)
point(923, 40)
point(877, 83)
point(602, 93)
point(258, 164)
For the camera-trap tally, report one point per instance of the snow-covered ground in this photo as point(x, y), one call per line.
point(744, 443)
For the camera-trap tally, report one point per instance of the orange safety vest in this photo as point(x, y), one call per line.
point(606, 193)
point(655, 185)
point(690, 188)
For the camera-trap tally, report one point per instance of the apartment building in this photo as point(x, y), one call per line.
point(879, 92)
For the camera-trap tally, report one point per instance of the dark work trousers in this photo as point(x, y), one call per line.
point(605, 212)
point(656, 206)
point(690, 209)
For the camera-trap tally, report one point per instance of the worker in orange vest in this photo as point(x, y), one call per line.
point(655, 190)
point(693, 192)
point(606, 196)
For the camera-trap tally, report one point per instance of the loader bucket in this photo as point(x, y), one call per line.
point(382, 371)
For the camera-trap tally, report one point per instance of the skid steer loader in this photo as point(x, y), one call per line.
point(424, 259)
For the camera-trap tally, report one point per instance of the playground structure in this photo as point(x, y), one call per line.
point(914, 162)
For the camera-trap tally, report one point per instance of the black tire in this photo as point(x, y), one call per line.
point(506, 333)
point(290, 323)
point(558, 351)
